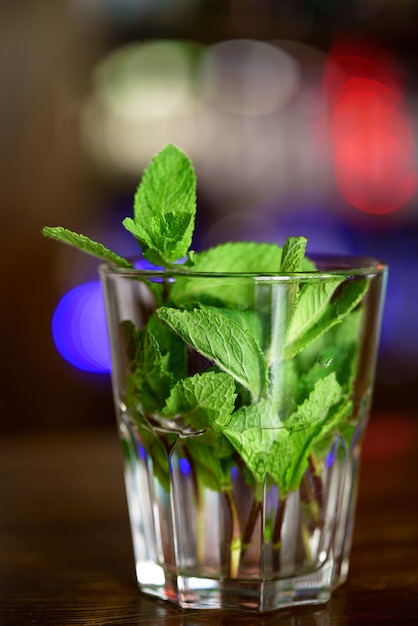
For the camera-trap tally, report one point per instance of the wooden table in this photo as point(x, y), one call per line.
point(66, 556)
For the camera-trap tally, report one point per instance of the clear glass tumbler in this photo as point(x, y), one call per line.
point(241, 403)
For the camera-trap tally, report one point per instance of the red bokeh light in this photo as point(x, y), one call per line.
point(372, 139)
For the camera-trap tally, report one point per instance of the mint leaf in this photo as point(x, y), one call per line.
point(312, 302)
point(293, 255)
point(172, 348)
point(326, 392)
point(335, 351)
point(160, 362)
point(152, 377)
point(333, 312)
point(337, 426)
point(310, 422)
point(292, 258)
point(212, 471)
point(284, 299)
point(202, 400)
point(165, 207)
point(252, 431)
point(243, 257)
point(280, 449)
point(339, 360)
point(230, 346)
point(237, 257)
point(286, 296)
point(205, 402)
point(248, 319)
point(85, 244)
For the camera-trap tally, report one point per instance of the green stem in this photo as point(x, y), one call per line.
point(200, 509)
point(250, 525)
point(166, 290)
point(235, 544)
point(277, 534)
point(311, 503)
point(200, 530)
point(316, 477)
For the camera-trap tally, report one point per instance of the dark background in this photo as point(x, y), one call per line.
point(65, 87)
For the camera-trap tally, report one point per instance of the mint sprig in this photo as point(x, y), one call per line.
point(222, 340)
point(85, 244)
point(165, 208)
point(260, 386)
point(164, 214)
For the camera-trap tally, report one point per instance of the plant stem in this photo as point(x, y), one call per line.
point(316, 477)
point(250, 525)
point(309, 502)
point(200, 530)
point(277, 534)
point(166, 290)
point(200, 512)
point(235, 544)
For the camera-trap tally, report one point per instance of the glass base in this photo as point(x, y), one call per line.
point(190, 592)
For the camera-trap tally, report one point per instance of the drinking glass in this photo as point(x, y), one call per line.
point(241, 403)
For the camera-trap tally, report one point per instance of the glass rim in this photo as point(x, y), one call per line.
point(331, 265)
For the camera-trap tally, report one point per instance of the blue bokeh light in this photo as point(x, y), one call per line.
point(184, 465)
point(79, 328)
point(142, 453)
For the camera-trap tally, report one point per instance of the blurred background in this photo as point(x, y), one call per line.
point(301, 117)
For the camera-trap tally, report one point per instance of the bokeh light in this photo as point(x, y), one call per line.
point(246, 77)
point(143, 97)
point(79, 328)
point(372, 138)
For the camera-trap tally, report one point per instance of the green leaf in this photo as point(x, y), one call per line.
point(172, 348)
point(280, 449)
point(250, 320)
point(158, 359)
point(335, 351)
point(313, 300)
point(205, 402)
point(212, 471)
point(284, 384)
point(252, 431)
point(292, 258)
point(316, 313)
point(165, 207)
point(337, 425)
point(284, 298)
point(85, 244)
point(239, 257)
point(293, 255)
point(245, 257)
point(202, 400)
point(310, 422)
point(326, 392)
point(230, 346)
